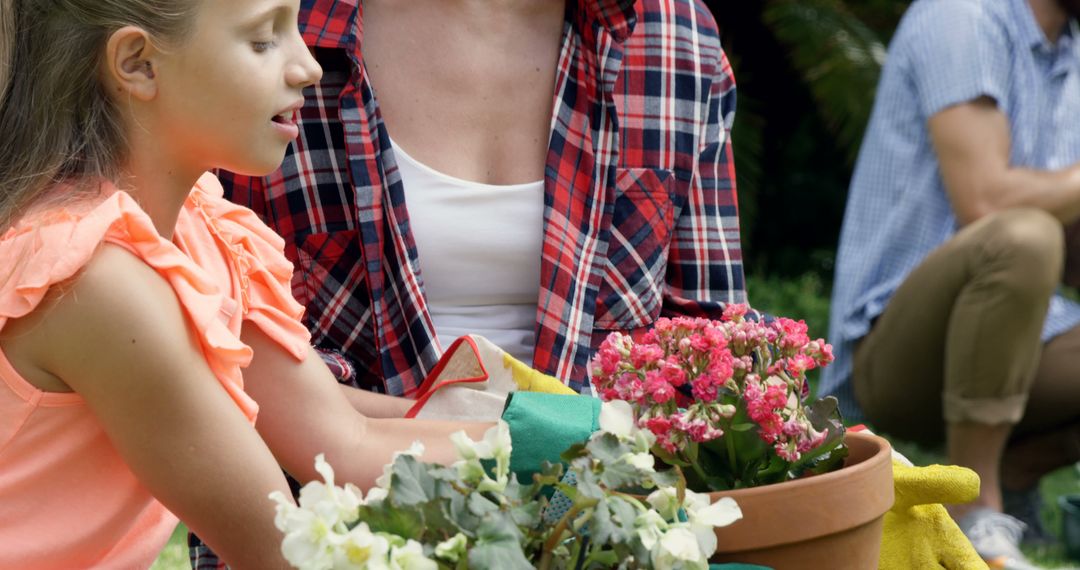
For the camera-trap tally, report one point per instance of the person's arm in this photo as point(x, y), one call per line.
point(118, 337)
point(972, 142)
point(375, 405)
point(302, 413)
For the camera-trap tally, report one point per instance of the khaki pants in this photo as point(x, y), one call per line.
point(959, 341)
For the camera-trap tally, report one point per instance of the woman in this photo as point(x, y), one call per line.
point(540, 172)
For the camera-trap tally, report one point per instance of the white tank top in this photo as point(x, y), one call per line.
point(479, 247)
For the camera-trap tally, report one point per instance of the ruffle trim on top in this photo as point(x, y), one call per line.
point(47, 249)
point(258, 253)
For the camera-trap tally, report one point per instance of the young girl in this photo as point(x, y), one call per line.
point(132, 294)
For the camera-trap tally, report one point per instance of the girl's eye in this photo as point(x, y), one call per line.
point(260, 47)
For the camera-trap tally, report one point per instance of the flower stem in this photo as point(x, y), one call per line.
point(730, 442)
point(696, 466)
point(556, 535)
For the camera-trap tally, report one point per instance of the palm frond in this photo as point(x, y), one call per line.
point(839, 57)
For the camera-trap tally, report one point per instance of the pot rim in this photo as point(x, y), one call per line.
point(860, 492)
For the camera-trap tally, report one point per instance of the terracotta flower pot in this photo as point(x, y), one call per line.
point(829, 521)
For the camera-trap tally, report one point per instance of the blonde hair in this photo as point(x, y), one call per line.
point(57, 124)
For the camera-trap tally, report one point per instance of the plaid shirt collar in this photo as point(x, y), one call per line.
point(339, 23)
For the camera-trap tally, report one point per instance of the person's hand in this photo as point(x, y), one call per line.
point(919, 533)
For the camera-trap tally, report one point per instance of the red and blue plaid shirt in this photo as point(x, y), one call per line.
point(640, 214)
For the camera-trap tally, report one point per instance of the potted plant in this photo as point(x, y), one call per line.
point(728, 403)
point(475, 514)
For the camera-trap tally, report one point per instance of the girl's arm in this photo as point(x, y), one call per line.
point(302, 413)
point(119, 338)
point(375, 405)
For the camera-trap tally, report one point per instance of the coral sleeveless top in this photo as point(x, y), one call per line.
point(67, 499)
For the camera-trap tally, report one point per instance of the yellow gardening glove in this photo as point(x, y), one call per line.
point(919, 533)
point(529, 379)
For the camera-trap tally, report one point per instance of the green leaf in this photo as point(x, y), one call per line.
point(745, 426)
point(830, 461)
point(601, 526)
point(620, 515)
point(603, 559)
point(570, 491)
point(588, 487)
point(666, 478)
point(573, 452)
point(824, 414)
point(527, 514)
point(498, 547)
point(516, 492)
point(443, 473)
point(607, 448)
point(668, 458)
point(402, 521)
point(458, 513)
point(480, 505)
point(410, 483)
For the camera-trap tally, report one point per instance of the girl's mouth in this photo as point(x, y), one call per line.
point(285, 123)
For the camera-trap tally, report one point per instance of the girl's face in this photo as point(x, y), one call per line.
point(230, 93)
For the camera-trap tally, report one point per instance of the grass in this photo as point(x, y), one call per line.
point(175, 554)
point(805, 297)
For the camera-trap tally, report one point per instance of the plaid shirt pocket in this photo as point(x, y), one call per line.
point(631, 291)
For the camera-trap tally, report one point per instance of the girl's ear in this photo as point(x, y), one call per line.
point(130, 61)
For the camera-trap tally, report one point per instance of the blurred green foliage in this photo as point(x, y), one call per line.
point(807, 71)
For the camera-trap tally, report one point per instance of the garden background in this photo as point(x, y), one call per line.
point(807, 72)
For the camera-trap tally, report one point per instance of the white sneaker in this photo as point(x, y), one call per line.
point(996, 537)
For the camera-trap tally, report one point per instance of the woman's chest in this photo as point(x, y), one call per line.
point(468, 96)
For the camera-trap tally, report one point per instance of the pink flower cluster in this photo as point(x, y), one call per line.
point(692, 380)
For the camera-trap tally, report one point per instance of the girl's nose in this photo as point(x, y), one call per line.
point(304, 71)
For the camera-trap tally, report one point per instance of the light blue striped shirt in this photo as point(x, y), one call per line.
point(945, 52)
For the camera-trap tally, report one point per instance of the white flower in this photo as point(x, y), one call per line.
point(650, 527)
point(376, 495)
point(678, 548)
point(643, 440)
point(307, 543)
point(703, 517)
point(284, 509)
point(496, 445)
point(415, 450)
point(500, 445)
point(470, 470)
point(466, 448)
point(361, 548)
point(666, 502)
point(643, 461)
point(617, 417)
point(410, 557)
point(489, 485)
point(721, 513)
point(452, 548)
point(331, 503)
